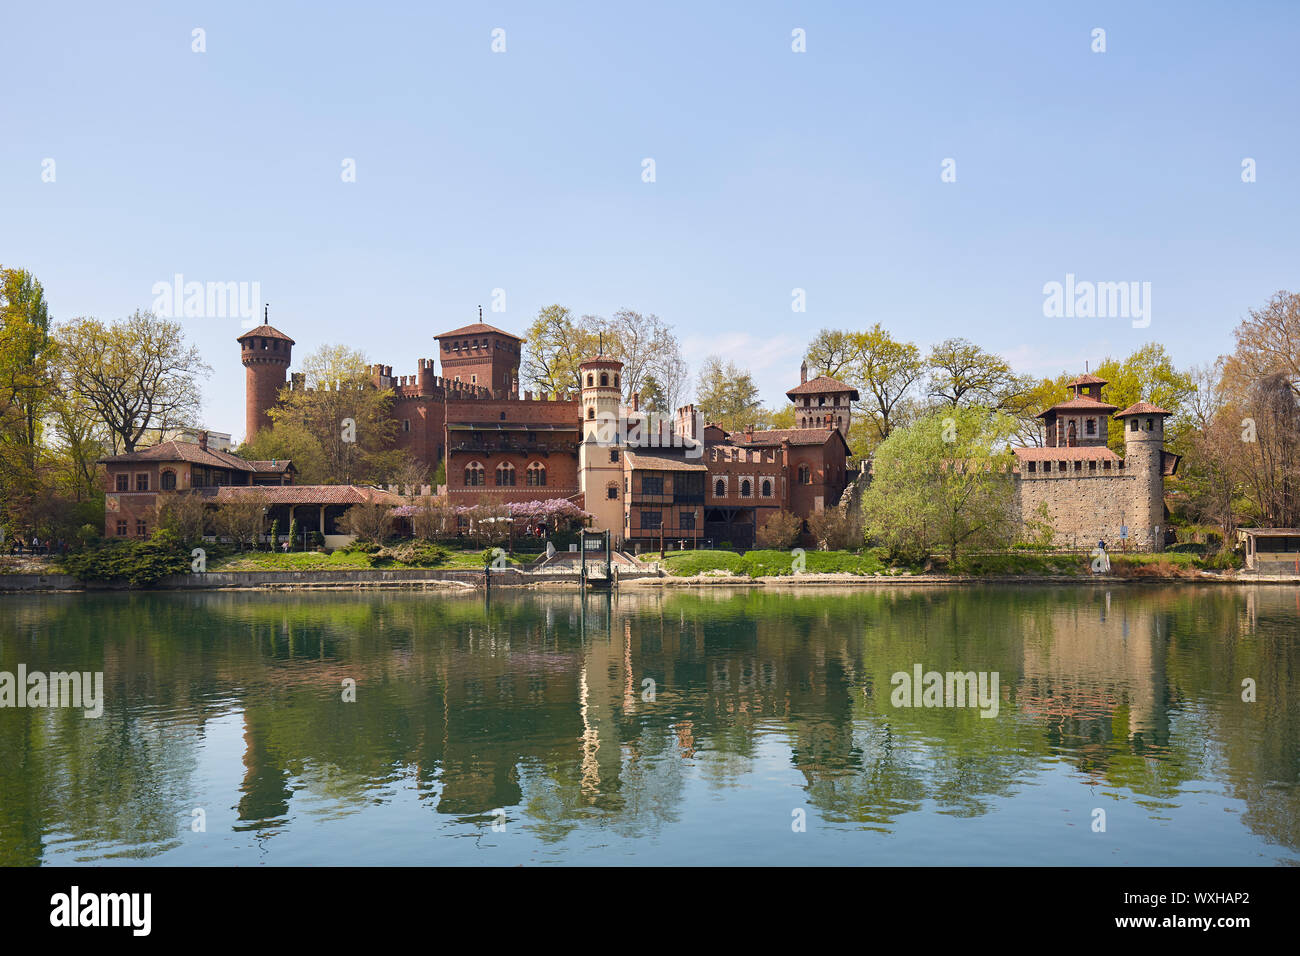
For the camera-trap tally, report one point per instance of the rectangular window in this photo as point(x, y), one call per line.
point(123, 484)
point(121, 529)
point(612, 492)
point(1032, 467)
point(1091, 427)
point(652, 486)
point(406, 424)
point(687, 521)
point(142, 482)
point(613, 454)
point(652, 519)
point(140, 528)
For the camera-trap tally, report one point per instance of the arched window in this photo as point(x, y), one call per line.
point(616, 379)
point(590, 380)
point(474, 474)
point(767, 488)
point(505, 474)
point(805, 475)
point(720, 489)
point(803, 422)
point(167, 480)
point(604, 379)
point(744, 488)
point(536, 475)
point(591, 413)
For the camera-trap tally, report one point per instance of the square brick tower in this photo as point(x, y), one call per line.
point(482, 355)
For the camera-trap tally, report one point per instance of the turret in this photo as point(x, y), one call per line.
point(265, 354)
point(601, 456)
point(1144, 458)
point(601, 392)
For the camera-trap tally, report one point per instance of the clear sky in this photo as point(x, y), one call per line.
point(774, 170)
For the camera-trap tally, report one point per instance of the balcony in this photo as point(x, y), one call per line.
point(488, 448)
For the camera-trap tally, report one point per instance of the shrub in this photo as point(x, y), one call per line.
point(780, 530)
point(360, 547)
point(185, 513)
point(369, 521)
point(836, 529)
point(138, 563)
point(418, 554)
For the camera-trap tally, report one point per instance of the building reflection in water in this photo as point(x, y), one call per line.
point(571, 710)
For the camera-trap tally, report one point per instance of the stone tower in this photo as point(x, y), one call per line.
point(1144, 463)
point(264, 351)
point(600, 455)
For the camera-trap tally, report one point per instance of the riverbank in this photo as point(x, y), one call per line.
point(465, 581)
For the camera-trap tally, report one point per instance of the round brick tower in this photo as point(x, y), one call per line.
point(1144, 442)
point(265, 352)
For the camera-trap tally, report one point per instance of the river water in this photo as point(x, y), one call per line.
point(1152, 725)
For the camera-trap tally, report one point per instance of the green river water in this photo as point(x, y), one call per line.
point(747, 726)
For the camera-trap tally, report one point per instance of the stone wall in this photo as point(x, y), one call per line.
point(1087, 508)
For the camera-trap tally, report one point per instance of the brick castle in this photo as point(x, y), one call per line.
point(675, 480)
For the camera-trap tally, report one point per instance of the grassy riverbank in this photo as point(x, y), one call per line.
point(755, 564)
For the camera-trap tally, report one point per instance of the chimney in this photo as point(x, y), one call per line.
point(803, 373)
point(203, 440)
point(749, 432)
point(636, 401)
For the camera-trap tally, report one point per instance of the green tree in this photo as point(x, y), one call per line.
point(943, 482)
point(1148, 374)
point(134, 376)
point(344, 414)
point(727, 395)
point(885, 372)
point(962, 373)
point(554, 346)
point(289, 441)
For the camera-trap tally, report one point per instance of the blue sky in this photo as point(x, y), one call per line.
point(774, 170)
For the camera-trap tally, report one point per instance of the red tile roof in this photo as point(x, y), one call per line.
point(640, 461)
point(1088, 380)
point(1074, 453)
point(310, 494)
point(795, 436)
point(1142, 408)
point(477, 328)
point(821, 385)
point(266, 332)
point(1083, 403)
point(188, 452)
